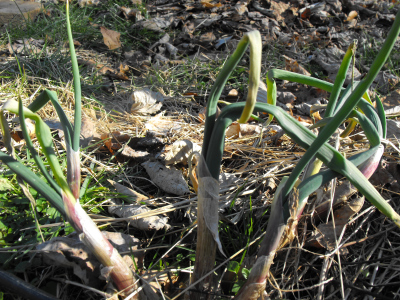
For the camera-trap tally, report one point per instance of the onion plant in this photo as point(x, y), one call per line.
point(208, 186)
point(345, 103)
point(63, 192)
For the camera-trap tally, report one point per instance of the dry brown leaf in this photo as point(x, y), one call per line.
point(107, 142)
point(83, 3)
point(104, 70)
point(128, 211)
point(202, 115)
point(139, 156)
point(286, 97)
point(207, 4)
point(240, 9)
point(237, 130)
point(278, 8)
point(331, 64)
point(207, 38)
point(16, 133)
point(324, 235)
point(387, 175)
point(316, 116)
point(305, 14)
point(26, 46)
point(352, 15)
point(293, 66)
point(114, 141)
point(162, 126)
point(88, 132)
point(146, 102)
point(70, 252)
point(111, 38)
point(393, 129)
point(391, 102)
point(156, 24)
point(117, 143)
point(163, 279)
point(131, 13)
point(208, 194)
point(227, 180)
point(180, 151)
point(133, 196)
point(385, 81)
point(168, 179)
point(75, 42)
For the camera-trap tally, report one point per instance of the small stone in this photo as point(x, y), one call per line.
point(14, 13)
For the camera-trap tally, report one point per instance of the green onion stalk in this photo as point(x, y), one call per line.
point(289, 201)
point(208, 189)
point(63, 193)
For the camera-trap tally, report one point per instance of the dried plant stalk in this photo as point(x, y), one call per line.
point(207, 231)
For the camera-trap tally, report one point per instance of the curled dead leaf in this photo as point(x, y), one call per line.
point(146, 102)
point(168, 179)
point(180, 151)
point(208, 4)
point(111, 38)
point(351, 16)
point(293, 66)
point(237, 130)
point(129, 211)
point(324, 236)
point(105, 70)
point(70, 252)
point(162, 126)
point(16, 133)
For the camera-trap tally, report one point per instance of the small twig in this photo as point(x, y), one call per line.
point(106, 295)
point(362, 291)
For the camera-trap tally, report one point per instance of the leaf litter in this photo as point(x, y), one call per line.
point(308, 33)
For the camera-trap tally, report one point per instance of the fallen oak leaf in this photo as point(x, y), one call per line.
point(111, 38)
